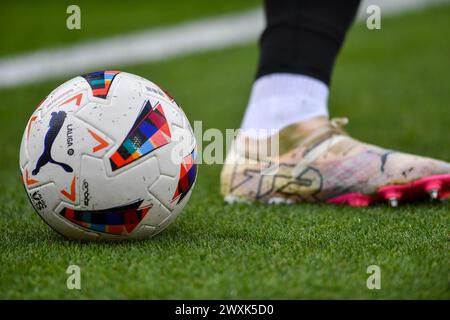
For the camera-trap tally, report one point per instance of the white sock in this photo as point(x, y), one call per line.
point(281, 99)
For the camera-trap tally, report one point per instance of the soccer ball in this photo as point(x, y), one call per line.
point(108, 155)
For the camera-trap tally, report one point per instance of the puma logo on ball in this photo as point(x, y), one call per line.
point(55, 125)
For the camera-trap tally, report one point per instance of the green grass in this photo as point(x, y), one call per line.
point(41, 24)
point(393, 84)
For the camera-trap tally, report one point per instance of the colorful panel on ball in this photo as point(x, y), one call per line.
point(100, 82)
point(149, 132)
point(118, 220)
point(188, 173)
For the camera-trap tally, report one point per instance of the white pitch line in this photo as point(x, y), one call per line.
point(152, 45)
point(146, 46)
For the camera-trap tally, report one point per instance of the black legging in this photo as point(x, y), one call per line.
point(304, 36)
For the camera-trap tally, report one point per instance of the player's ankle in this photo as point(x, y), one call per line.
point(282, 99)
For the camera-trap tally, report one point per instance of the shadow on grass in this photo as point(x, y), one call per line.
point(231, 229)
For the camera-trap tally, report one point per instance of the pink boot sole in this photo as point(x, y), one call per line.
point(434, 187)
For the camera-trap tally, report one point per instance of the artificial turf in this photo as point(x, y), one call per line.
point(392, 83)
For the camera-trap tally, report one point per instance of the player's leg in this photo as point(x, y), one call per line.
point(297, 53)
point(318, 161)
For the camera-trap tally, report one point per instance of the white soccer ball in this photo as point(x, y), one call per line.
point(108, 155)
